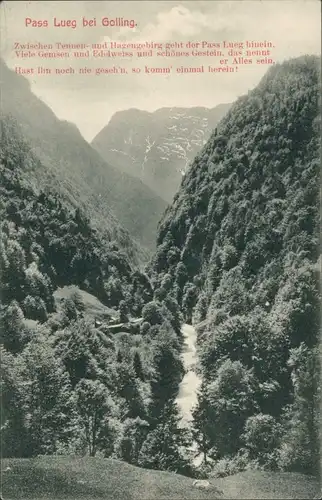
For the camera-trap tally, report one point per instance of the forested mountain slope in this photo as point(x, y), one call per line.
point(157, 147)
point(238, 248)
point(71, 385)
point(78, 171)
point(46, 241)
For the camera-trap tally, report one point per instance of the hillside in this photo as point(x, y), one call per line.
point(157, 147)
point(238, 249)
point(92, 306)
point(72, 383)
point(112, 199)
point(90, 364)
point(43, 239)
point(55, 478)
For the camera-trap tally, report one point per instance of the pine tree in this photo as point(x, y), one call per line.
point(300, 444)
point(14, 435)
point(166, 445)
point(12, 327)
point(94, 406)
point(128, 388)
point(202, 421)
point(137, 366)
point(44, 397)
point(231, 402)
point(129, 443)
point(168, 373)
point(123, 311)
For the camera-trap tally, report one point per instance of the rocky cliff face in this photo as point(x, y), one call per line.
point(157, 147)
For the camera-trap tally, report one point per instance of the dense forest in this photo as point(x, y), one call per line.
point(237, 257)
point(238, 249)
point(68, 384)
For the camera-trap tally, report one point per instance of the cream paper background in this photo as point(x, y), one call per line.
point(90, 101)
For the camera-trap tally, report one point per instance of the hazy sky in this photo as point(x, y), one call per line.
point(90, 101)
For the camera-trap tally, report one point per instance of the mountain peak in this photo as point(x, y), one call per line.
point(157, 147)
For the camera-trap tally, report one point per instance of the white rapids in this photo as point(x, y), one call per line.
point(189, 385)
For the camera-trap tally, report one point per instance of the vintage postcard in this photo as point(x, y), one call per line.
point(160, 249)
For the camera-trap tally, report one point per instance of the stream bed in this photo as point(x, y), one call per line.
point(189, 385)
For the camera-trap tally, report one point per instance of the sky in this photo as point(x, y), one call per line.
point(89, 101)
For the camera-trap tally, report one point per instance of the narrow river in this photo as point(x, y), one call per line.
point(190, 383)
point(188, 388)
